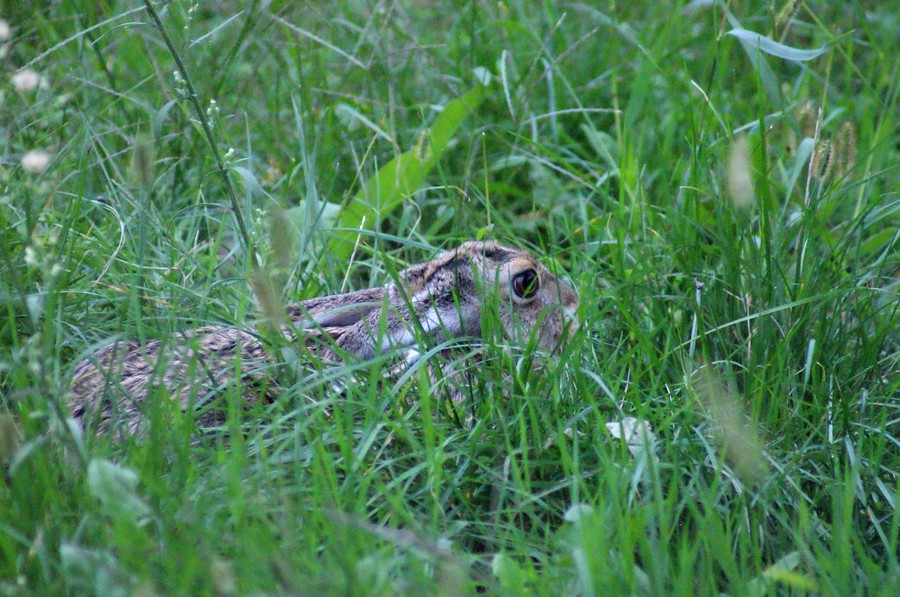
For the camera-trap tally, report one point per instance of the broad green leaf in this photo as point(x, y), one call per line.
point(402, 176)
point(766, 75)
point(801, 160)
point(89, 571)
point(513, 578)
point(311, 214)
point(604, 145)
point(116, 488)
point(773, 48)
point(250, 180)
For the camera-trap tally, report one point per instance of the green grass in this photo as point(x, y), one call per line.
point(754, 329)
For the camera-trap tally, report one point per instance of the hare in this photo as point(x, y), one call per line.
point(437, 300)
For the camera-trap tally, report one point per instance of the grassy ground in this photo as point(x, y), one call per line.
point(729, 218)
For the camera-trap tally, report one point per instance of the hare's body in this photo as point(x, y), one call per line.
point(439, 299)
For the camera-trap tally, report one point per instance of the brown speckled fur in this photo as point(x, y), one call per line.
point(442, 298)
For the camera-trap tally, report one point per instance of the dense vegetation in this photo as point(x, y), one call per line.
point(725, 204)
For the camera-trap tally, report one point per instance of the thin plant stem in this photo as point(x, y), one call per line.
point(207, 130)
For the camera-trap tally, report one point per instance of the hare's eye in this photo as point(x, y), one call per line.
point(525, 284)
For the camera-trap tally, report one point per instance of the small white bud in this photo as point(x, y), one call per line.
point(212, 111)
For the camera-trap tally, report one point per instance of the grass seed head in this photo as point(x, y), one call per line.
point(26, 80)
point(740, 180)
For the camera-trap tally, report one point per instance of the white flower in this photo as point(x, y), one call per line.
point(26, 80)
point(31, 257)
point(35, 161)
point(5, 30)
point(638, 436)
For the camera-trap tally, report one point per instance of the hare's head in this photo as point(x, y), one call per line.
point(454, 289)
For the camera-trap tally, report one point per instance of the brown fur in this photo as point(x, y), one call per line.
point(443, 298)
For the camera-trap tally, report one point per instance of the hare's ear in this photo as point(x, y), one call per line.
point(340, 310)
